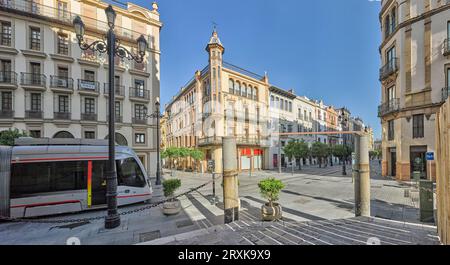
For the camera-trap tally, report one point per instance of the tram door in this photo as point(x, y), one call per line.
point(96, 176)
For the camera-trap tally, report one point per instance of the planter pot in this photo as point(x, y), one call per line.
point(271, 213)
point(172, 207)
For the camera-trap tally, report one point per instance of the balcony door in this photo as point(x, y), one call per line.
point(139, 86)
point(390, 94)
point(390, 56)
point(5, 71)
point(35, 69)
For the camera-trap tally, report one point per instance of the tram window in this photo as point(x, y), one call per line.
point(130, 174)
point(33, 178)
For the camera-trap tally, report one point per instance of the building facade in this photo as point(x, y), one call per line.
point(50, 88)
point(221, 100)
point(415, 77)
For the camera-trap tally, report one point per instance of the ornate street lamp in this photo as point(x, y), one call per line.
point(157, 114)
point(112, 48)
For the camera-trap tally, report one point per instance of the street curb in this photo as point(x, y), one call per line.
point(175, 238)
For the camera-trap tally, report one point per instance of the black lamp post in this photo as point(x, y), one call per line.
point(157, 115)
point(344, 120)
point(112, 48)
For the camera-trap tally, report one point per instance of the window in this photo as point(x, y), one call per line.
point(5, 33)
point(6, 101)
point(63, 44)
point(290, 106)
point(35, 133)
point(391, 131)
point(89, 106)
point(244, 90)
point(390, 56)
point(35, 38)
point(231, 86)
point(129, 173)
point(89, 75)
point(117, 111)
point(63, 10)
point(63, 72)
point(391, 94)
point(63, 103)
point(35, 69)
point(139, 138)
point(418, 126)
point(35, 101)
point(272, 101)
point(282, 104)
point(89, 135)
point(35, 178)
point(238, 88)
point(140, 111)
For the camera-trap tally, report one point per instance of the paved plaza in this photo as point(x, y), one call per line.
point(313, 195)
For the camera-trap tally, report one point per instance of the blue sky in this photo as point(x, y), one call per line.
point(324, 49)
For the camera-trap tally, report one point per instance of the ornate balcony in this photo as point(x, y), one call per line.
point(34, 114)
point(32, 79)
point(62, 115)
point(446, 47)
point(138, 93)
point(242, 141)
point(6, 114)
point(61, 82)
point(119, 90)
point(88, 86)
point(207, 141)
point(388, 107)
point(388, 69)
point(8, 78)
point(89, 116)
point(140, 120)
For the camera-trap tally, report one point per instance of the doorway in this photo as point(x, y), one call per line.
point(96, 171)
point(393, 162)
point(418, 162)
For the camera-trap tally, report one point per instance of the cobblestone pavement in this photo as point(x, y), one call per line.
point(354, 231)
point(311, 195)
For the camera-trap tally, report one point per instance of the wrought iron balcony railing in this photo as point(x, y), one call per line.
point(117, 118)
point(388, 107)
point(8, 77)
point(88, 85)
point(445, 93)
point(140, 120)
point(389, 68)
point(89, 116)
point(63, 16)
point(119, 90)
point(62, 115)
point(61, 82)
point(139, 93)
point(446, 47)
point(32, 79)
point(34, 114)
point(6, 114)
point(214, 140)
point(5, 39)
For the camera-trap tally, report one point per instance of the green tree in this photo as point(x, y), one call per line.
point(320, 151)
point(170, 153)
point(290, 151)
point(8, 137)
point(302, 151)
point(197, 156)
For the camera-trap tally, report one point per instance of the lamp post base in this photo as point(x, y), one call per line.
point(112, 221)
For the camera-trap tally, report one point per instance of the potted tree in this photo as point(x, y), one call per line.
point(270, 189)
point(173, 206)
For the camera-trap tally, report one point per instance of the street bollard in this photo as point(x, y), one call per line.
point(230, 182)
point(214, 188)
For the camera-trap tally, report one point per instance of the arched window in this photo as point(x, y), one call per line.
point(63, 135)
point(120, 139)
point(250, 92)
point(238, 88)
point(255, 93)
point(244, 90)
point(231, 86)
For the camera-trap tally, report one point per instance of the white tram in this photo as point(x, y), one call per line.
point(41, 177)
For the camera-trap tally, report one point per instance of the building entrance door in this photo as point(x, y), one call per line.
point(418, 161)
point(393, 162)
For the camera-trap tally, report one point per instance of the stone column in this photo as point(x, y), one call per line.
point(362, 180)
point(230, 180)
